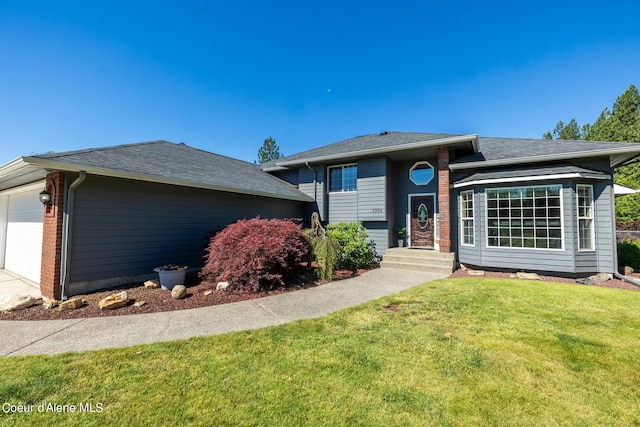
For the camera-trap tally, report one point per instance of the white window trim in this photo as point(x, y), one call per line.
point(592, 218)
point(341, 167)
point(415, 165)
point(462, 218)
point(562, 229)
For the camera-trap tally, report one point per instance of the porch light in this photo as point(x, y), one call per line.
point(45, 197)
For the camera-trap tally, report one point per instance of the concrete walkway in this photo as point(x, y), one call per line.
point(13, 284)
point(60, 336)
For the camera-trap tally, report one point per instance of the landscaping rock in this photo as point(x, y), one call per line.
point(71, 304)
point(139, 303)
point(179, 292)
point(50, 304)
point(222, 286)
point(475, 272)
point(114, 301)
point(14, 302)
point(208, 292)
point(152, 284)
point(526, 276)
point(628, 271)
point(597, 278)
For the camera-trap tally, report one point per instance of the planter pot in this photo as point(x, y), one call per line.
point(400, 243)
point(170, 278)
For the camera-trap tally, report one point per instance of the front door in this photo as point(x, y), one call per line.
point(422, 213)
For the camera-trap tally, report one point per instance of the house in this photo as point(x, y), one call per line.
point(543, 205)
point(117, 212)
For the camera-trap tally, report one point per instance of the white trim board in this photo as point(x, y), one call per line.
point(530, 178)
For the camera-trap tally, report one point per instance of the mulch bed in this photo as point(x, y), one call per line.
point(613, 283)
point(157, 300)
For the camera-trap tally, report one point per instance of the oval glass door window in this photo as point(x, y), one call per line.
point(423, 216)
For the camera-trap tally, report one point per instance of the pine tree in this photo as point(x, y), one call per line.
point(621, 124)
point(269, 151)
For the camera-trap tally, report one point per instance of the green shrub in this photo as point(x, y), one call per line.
point(355, 252)
point(629, 254)
point(325, 251)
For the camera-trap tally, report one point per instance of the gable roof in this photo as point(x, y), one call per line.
point(162, 162)
point(509, 151)
point(472, 151)
point(374, 144)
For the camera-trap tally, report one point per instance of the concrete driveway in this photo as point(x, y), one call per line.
point(60, 336)
point(13, 284)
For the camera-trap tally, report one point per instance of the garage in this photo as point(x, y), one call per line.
point(23, 223)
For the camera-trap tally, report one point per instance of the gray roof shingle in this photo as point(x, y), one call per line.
point(362, 143)
point(179, 164)
point(504, 149)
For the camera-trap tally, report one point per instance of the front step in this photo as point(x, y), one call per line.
point(419, 260)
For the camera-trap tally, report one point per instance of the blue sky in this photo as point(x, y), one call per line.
point(223, 76)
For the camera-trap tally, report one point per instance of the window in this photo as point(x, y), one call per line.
point(421, 173)
point(524, 217)
point(343, 178)
point(585, 217)
point(466, 215)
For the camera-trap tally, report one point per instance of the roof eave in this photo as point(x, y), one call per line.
point(530, 178)
point(617, 157)
point(473, 138)
point(13, 166)
point(71, 167)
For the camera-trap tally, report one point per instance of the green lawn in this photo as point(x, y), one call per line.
point(450, 352)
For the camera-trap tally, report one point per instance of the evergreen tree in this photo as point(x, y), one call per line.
point(622, 124)
point(269, 151)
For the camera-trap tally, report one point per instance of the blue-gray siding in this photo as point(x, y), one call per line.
point(372, 189)
point(312, 183)
point(125, 228)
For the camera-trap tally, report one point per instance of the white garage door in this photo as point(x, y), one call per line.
point(23, 250)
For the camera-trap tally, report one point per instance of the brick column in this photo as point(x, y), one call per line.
point(443, 199)
point(52, 238)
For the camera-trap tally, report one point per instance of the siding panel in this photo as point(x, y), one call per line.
point(343, 207)
point(372, 193)
point(126, 228)
point(314, 189)
point(378, 233)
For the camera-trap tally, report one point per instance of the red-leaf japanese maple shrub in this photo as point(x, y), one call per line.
point(256, 254)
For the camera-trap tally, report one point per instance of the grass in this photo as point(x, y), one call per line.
point(450, 352)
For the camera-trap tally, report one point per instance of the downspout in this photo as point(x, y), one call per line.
point(315, 181)
point(616, 272)
point(65, 261)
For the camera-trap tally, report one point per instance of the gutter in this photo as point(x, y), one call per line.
point(67, 231)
